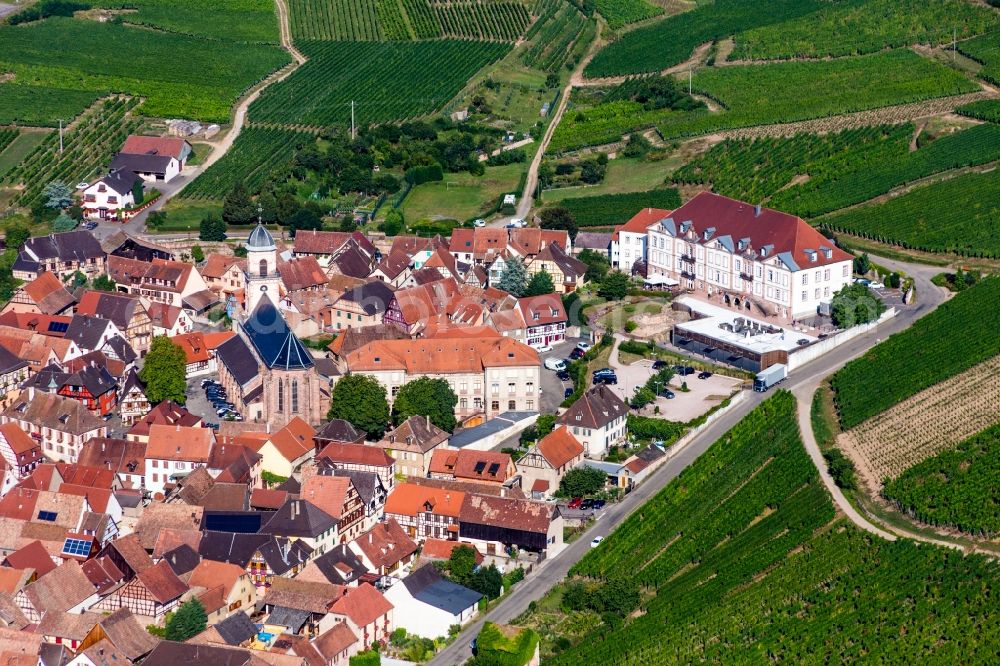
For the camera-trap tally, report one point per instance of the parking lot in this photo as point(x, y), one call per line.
point(553, 388)
point(197, 403)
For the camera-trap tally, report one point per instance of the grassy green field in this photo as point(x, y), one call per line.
point(623, 175)
point(865, 26)
point(985, 50)
point(177, 75)
point(228, 20)
point(19, 148)
point(186, 214)
point(773, 93)
point(461, 196)
point(622, 12)
point(609, 209)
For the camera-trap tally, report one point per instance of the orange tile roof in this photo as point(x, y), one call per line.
point(97, 498)
point(464, 463)
point(362, 604)
point(386, 544)
point(641, 221)
point(294, 440)
point(210, 573)
point(329, 493)
point(301, 273)
point(438, 549)
point(359, 454)
point(441, 355)
point(175, 442)
point(408, 499)
point(217, 265)
point(560, 447)
point(140, 144)
point(12, 580)
point(20, 442)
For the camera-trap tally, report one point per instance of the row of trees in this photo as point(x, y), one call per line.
point(362, 401)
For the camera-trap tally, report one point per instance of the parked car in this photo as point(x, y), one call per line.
point(213, 426)
point(89, 226)
point(479, 222)
point(659, 364)
point(568, 391)
point(563, 375)
point(205, 383)
point(556, 364)
point(517, 223)
point(599, 504)
point(584, 346)
point(222, 411)
point(543, 349)
point(668, 394)
point(704, 374)
point(683, 370)
point(604, 371)
point(575, 503)
point(596, 542)
point(606, 379)
point(587, 504)
point(576, 353)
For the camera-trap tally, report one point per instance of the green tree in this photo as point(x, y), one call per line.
point(461, 564)
point(854, 305)
point(862, 264)
point(598, 264)
point(581, 481)
point(558, 218)
point(16, 235)
point(514, 277)
point(64, 222)
point(188, 621)
point(138, 192)
point(57, 195)
point(552, 80)
point(237, 208)
point(212, 228)
point(305, 218)
point(361, 400)
point(393, 223)
point(540, 283)
point(103, 283)
point(156, 219)
point(614, 286)
point(197, 253)
point(78, 280)
point(545, 424)
point(366, 658)
point(426, 397)
point(615, 596)
point(165, 371)
point(488, 581)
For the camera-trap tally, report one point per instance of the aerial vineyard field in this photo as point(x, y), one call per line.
point(253, 158)
point(609, 209)
point(959, 334)
point(987, 109)
point(176, 75)
point(865, 26)
point(623, 12)
point(837, 170)
point(389, 81)
point(482, 20)
point(671, 41)
point(7, 136)
point(391, 20)
point(957, 215)
point(349, 20)
point(552, 37)
point(986, 50)
point(422, 19)
point(88, 148)
point(934, 420)
point(958, 488)
point(774, 93)
point(748, 563)
point(41, 106)
point(228, 20)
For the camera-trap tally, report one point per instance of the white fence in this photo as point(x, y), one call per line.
point(801, 356)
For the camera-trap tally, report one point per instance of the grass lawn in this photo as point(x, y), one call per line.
point(624, 175)
point(19, 148)
point(199, 151)
point(461, 196)
point(186, 214)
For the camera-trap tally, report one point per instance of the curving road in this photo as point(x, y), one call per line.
point(802, 383)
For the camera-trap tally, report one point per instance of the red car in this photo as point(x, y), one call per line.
point(575, 502)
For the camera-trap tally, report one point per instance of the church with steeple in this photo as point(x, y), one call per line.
point(267, 372)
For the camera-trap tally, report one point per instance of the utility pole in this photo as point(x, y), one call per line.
point(60, 136)
point(954, 43)
point(352, 120)
point(689, 80)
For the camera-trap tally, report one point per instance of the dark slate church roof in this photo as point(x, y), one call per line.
point(274, 342)
point(426, 584)
point(236, 356)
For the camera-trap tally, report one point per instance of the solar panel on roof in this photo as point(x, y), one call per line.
point(494, 468)
point(49, 516)
point(58, 326)
point(79, 547)
point(480, 466)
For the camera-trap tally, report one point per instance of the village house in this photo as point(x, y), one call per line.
point(263, 556)
point(122, 244)
point(110, 196)
point(167, 412)
point(424, 511)
point(155, 159)
point(65, 589)
point(126, 458)
point(568, 273)
point(361, 306)
point(385, 548)
point(394, 269)
point(337, 496)
point(412, 443)
point(358, 457)
point(223, 273)
point(132, 401)
point(13, 373)
point(337, 430)
point(597, 420)
point(91, 385)
point(62, 254)
point(285, 450)
point(495, 524)
point(169, 320)
point(60, 424)
point(121, 630)
point(158, 281)
point(174, 452)
point(43, 295)
point(472, 465)
point(223, 589)
point(302, 520)
point(427, 604)
point(200, 351)
point(547, 460)
point(337, 645)
point(125, 311)
point(489, 376)
point(544, 320)
point(366, 611)
point(153, 593)
point(628, 242)
point(21, 452)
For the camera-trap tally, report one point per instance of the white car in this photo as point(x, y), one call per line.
point(583, 346)
point(479, 223)
point(543, 349)
point(596, 542)
point(517, 222)
point(555, 364)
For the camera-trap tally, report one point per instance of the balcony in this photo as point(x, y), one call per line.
point(747, 277)
point(689, 258)
point(688, 275)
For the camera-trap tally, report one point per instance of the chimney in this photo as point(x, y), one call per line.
point(102, 446)
point(428, 420)
point(369, 537)
point(756, 210)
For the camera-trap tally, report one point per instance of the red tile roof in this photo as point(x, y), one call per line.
point(408, 499)
point(560, 447)
point(642, 221)
point(469, 464)
point(386, 544)
point(438, 549)
point(542, 310)
point(517, 514)
point(137, 144)
point(441, 355)
point(31, 556)
point(362, 604)
point(358, 454)
point(162, 582)
point(329, 493)
point(294, 440)
point(173, 442)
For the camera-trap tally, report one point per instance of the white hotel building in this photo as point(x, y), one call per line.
point(746, 255)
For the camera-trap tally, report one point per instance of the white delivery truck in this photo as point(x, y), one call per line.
point(769, 377)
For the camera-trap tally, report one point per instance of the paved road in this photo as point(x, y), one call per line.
point(554, 570)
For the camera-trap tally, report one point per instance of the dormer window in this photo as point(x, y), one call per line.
point(827, 252)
